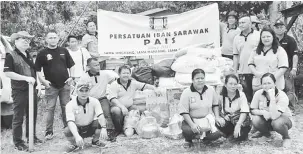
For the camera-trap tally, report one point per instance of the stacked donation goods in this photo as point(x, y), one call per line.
point(208, 59)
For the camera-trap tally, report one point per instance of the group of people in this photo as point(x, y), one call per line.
point(260, 66)
point(264, 61)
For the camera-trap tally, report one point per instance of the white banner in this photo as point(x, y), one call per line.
point(122, 34)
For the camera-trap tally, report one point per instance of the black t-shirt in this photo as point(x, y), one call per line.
point(55, 63)
point(290, 46)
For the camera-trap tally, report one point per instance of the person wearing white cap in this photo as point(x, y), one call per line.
point(85, 118)
point(19, 67)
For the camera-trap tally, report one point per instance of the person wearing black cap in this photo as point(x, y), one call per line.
point(290, 46)
point(229, 33)
point(19, 67)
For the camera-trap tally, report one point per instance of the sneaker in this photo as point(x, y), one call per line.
point(112, 135)
point(71, 148)
point(21, 147)
point(36, 140)
point(259, 134)
point(49, 135)
point(286, 143)
point(188, 145)
point(98, 144)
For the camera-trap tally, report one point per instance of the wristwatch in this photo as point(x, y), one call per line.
point(103, 127)
point(294, 69)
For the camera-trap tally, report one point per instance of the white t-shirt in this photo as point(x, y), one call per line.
point(80, 58)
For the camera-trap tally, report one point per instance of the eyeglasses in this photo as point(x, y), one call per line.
point(81, 90)
point(25, 39)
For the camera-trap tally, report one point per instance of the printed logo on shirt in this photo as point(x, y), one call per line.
point(192, 100)
point(284, 42)
point(62, 54)
point(49, 57)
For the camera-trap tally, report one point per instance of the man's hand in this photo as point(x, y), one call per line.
point(46, 83)
point(195, 128)
point(266, 115)
point(79, 141)
point(237, 131)
point(124, 110)
point(158, 92)
point(69, 81)
point(103, 134)
point(293, 73)
point(220, 121)
point(30, 80)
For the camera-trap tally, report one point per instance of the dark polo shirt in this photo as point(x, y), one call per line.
point(55, 63)
point(290, 46)
point(20, 64)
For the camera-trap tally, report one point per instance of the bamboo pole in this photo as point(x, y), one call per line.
point(31, 116)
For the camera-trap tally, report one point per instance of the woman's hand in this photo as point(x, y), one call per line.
point(220, 121)
point(195, 128)
point(237, 131)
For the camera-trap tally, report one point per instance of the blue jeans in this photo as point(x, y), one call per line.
point(52, 94)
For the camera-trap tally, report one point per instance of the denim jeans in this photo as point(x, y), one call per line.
point(106, 111)
point(281, 125)
point(21, 107)
point(52, 94)
point(189, 135)
point(246, 82)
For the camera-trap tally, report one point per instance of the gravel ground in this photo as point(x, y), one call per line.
point(135, 144)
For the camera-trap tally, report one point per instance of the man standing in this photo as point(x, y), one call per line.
point(243, 46)
point(99, 81)
point(19, 67)
point(90, 42)
point(290, 46)
point(81, 112)
point(79, 55)
point(55, 62)
point(229, 33)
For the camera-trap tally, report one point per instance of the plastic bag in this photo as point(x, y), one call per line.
point(147, 126)
point(163, 68)
point(144, 74)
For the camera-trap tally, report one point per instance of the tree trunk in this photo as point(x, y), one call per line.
point(273, 11)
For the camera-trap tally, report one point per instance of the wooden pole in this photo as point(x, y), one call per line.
point(31, 117)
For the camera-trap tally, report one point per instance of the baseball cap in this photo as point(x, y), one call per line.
point(279, 22)
point(20, 34)
point(82, 85)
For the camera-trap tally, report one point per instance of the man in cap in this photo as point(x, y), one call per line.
point(99, 79)
point(290, 46)
point(19, 67)
point(231, 30)
point(255, 22)
point(85, 118)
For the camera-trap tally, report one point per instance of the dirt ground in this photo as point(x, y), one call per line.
point(161, 145)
